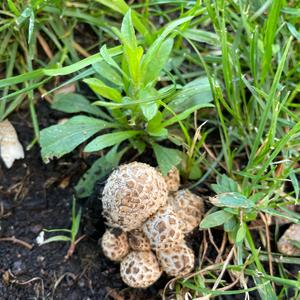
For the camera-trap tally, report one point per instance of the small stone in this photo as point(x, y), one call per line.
point(36, 228)
point(18, 268)
point(40, 258)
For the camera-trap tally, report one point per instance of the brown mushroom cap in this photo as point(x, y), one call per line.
point(188, 207)
point(176, 260)
point(162, 228)
point(114, 246)
point(140, 269)
point(285, 245)
point(138, 241)
point(132, 194)
point(173, 180)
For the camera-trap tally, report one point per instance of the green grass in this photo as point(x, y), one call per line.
point(249, 52)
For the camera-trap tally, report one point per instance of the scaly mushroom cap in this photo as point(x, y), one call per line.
point(285, 245)
point(115, 246)
point(162, 228)
point(132, 194)
point(188, 207)
point(140, 269)
point(176, 260)
point(138, 241)
point(173, 180)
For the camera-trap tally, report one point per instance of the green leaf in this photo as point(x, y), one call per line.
point(202, 36)
point(194, 93)
point(127, 31)
point(185, 114)
point(109, 139)
point(100, 168)
point(13, 8)
point(215, 219)
point(154, 127)
point(121, 7)
point(294, 31)
point(154, 124)
point(24, 16)
point(74, 103)
point(232, 200)
point(150, 56)
point(103, 90)
point(151, 72)
point(295, 184)
point(166, 158)
point(57, 140)
point(295, 243)
point(149, 110)
point(195, 172)
point(230, 225)
point(76, 224)
point(57, 238)
point(241, 234)
point(108, 72)
point(224, 184)
point(109, 60)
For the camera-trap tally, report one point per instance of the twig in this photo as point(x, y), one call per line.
point(16, 241)
point(45, 46)
point(217, 282)
point(224, 240)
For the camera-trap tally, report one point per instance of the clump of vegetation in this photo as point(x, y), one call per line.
point(237, 61)
point(137, 109)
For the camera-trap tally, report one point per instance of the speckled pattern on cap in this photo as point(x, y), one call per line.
point(140, 269)
point(164, 227)
point(173, 179)
point(115, 247)
point(138, 241)
point(132, 194)
point(176, 260)
point(188, 207)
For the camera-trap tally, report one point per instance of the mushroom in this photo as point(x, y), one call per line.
point(285, 244)
point(163, 228)
point(140, 269)
point(132, 194)
point(173, 179)
point(138, 241)
point(188, 207)
point(115, 246)
point(176, 259)
point(10, 146)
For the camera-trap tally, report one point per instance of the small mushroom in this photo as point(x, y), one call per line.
point(173, 179)
point(140, 269)
point(10, 146)
point(188, 207)
point(162, 228)
point(176, 260)
point(285, 243)
point(132, 194)
point(115, 246)
point(138, 241)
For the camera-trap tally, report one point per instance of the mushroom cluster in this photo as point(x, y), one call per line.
point(148, 217)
